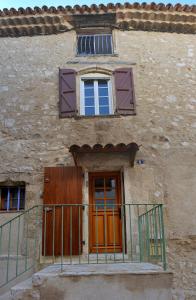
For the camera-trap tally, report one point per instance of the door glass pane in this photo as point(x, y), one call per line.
point(99, 182)
point(110, 204)
point(110, 193)
point(110, 182)
point(99, 194)
point(99, 204)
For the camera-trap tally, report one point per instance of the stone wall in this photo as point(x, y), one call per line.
point(32, 136)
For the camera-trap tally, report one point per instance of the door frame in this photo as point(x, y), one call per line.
point(120, 201)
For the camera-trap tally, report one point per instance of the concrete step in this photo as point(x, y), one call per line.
point(119, 281)
point(6, 296)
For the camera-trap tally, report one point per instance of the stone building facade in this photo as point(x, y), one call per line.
point(159, 44)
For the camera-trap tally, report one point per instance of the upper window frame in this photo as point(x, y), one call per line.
point(95, 77)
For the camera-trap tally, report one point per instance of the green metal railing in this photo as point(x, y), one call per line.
point(80, 234)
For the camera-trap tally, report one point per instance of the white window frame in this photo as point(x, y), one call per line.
point(95, 78)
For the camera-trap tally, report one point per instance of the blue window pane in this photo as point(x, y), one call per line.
point(102, 83)
point(103, 101)
point(89, 101)
point(88, 83)
point(89, 111)
point(104, 110)
point(103, 92)
point(89, 92)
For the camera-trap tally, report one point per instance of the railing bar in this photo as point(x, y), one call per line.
point(79, 238)
point(147, 232)
point(71, 238)
point(8, 258)
point(96, 227)
point(27, 241)
point(114, 227)
point(62, 236)
point(17, 249)
point(163, 238)
point(36, 230)
point(156, 237)
point(44, 233)
point(131, 238)
point(140, 233)
point(105, 233)
point(123, 231)
point(149, 210)
point(106, 40)
point(53, 231)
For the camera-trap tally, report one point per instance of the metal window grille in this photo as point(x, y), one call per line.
point(97, 44)
point(12, 198)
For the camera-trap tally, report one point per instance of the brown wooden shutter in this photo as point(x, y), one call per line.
point(62, 185)
point(124, 86)
point(67, 93)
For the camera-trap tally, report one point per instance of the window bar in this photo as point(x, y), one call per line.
point(8, 199)
point(8, 258)
point(98, 44)
point(17, 248)
point(106, 39)
point(18, 202)
point(71, 238)
point(94, 44)
point(130, 228)
point(91, 50)
point(114, 232)
point(97, 235)
point(79, 238)
point(123, 231)
point(53, 232)
point(85, 44)
point(62, 236)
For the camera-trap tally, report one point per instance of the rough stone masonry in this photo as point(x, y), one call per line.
point(32, 136)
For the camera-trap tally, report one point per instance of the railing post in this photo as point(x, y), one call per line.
point(163, 238)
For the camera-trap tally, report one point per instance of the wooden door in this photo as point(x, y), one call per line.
point(105, 212)
point(62, 225)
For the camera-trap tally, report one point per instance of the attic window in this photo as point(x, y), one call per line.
point(94, 44)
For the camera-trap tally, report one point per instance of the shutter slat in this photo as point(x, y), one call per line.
point(67, 93)
point(125, 96)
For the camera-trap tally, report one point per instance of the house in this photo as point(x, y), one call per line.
point(98, 150)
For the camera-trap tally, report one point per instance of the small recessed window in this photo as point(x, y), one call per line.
point(96, 97)
point(94, 44)
point(12, 198)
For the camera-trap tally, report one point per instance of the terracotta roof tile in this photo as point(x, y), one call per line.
point(144, 16)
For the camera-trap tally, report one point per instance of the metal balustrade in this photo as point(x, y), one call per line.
point(96, 44)
point(65, 234)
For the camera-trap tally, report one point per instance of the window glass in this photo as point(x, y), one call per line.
point(96, 97)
